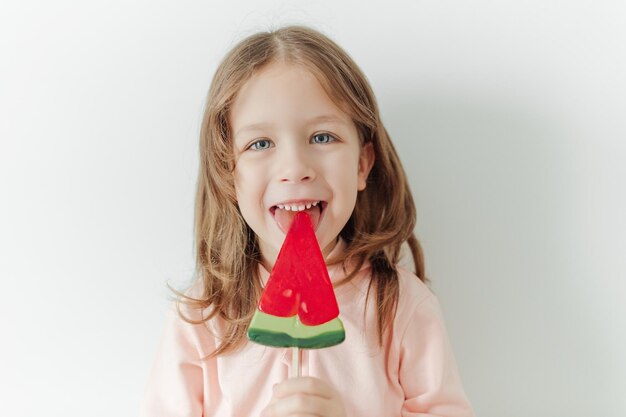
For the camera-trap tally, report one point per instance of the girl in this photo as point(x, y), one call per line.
point(291, 124)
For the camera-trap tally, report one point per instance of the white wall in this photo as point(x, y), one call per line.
point(508, 116)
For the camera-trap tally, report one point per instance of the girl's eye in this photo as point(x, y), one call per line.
point(323, 138)
point(260, 145)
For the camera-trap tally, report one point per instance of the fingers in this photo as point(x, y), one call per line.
point(298, 405)
point(304, 397)
point(304, 385)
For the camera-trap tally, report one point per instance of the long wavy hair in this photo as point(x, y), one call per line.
point(227, 250)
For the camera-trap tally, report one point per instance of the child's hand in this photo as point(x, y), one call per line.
point(304, 396)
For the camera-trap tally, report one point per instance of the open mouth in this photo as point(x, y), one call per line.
point(284, 213)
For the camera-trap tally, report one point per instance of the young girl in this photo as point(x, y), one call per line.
point(291, 124)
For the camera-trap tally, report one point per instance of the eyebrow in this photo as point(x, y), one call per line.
point(318, 119)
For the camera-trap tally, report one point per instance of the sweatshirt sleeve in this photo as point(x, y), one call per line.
point(428, 371)
point(175, 384)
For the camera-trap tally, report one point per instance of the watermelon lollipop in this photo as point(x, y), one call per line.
point(298, 307)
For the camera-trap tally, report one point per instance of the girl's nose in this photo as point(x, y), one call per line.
point(295, 166)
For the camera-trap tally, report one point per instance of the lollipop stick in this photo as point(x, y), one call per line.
point(295, 362)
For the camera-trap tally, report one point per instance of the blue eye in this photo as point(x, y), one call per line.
point(326, 138)
point(260, 145)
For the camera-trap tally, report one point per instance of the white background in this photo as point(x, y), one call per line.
point(508, 116)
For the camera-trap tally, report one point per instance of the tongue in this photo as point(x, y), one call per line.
point(284, 218)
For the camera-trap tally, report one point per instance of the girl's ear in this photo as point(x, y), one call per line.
point(366, 162)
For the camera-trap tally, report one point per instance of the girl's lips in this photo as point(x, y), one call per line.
point(284, 218)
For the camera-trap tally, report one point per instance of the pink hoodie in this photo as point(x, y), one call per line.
point(414, 373)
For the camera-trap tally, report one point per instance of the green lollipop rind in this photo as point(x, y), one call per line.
point(274, 331)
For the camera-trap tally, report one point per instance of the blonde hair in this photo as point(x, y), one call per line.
point(227, 250)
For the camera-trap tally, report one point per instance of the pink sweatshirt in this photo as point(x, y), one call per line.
point(414, 373)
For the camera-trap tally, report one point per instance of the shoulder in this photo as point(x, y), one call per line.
point(186, 324)
point(182, 302)
point(412, 289)
point(418, 307)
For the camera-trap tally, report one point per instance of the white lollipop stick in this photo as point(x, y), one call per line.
point(296, 370)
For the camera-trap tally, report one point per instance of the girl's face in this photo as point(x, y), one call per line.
point(295, 149)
